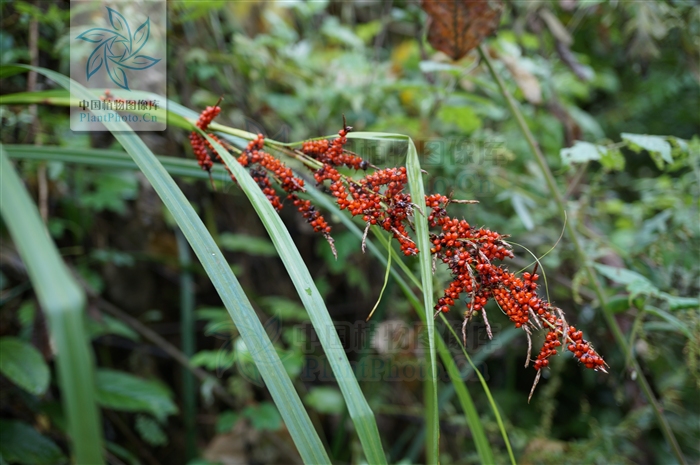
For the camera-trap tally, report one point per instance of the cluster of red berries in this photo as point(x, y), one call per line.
point(381, 199)
point(261, 166)
point(200, 146)
point(549, 348)
point(333, 153)
point(517, 297)
point(583, 350)
point(263, 180)
point(313, 217)
point(254, 155)
point(469, 253)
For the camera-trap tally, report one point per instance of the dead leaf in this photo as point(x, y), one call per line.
point(244, 445)
point(458, 26)
point(527, 82)
point(227, 449)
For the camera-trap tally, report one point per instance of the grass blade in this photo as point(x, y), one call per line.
point(63, 303)
point(360, 412)
point(415, 182)
point(483, 447)
point(261, 348)
point(113, 159)
point(492, 402)
point(175, 114)
point(188, 338)
point(465, 399)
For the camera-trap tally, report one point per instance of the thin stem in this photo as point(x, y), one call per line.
point(386, 280)
point(187, 342)
point(597, 288)
point(494, 407)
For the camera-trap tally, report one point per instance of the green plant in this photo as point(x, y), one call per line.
point(297, 66)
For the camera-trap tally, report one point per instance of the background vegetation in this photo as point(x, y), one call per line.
point(175, 380)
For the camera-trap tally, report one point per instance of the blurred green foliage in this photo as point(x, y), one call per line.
point(610, 90)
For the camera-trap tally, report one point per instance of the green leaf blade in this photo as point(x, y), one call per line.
point(119, 390)
point(19, 442)
point(63, 302)
point(415, 182)
point(24, 365)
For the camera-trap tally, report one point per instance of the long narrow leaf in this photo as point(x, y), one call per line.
point(360, 412)
point(261, 348)
point(111, 159)
point(174, 115)
point(415, 182)
point(63, 301)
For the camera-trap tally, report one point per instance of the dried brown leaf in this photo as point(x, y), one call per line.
point(527, 82)
point(458, 26)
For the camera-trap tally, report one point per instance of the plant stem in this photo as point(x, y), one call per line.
point(573, 236)
point(189, 395)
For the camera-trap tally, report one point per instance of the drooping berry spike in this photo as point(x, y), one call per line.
point(255, 156)
point(549, 348)
point(200, 151)
point(261, 178)
point(583, 350)
point(469, 252)
point(200, 144)
point(315, 219)
point(261, 166)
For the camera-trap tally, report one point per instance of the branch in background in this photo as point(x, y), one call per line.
point(164, 345)
point(568, 58)
point(34, 135)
